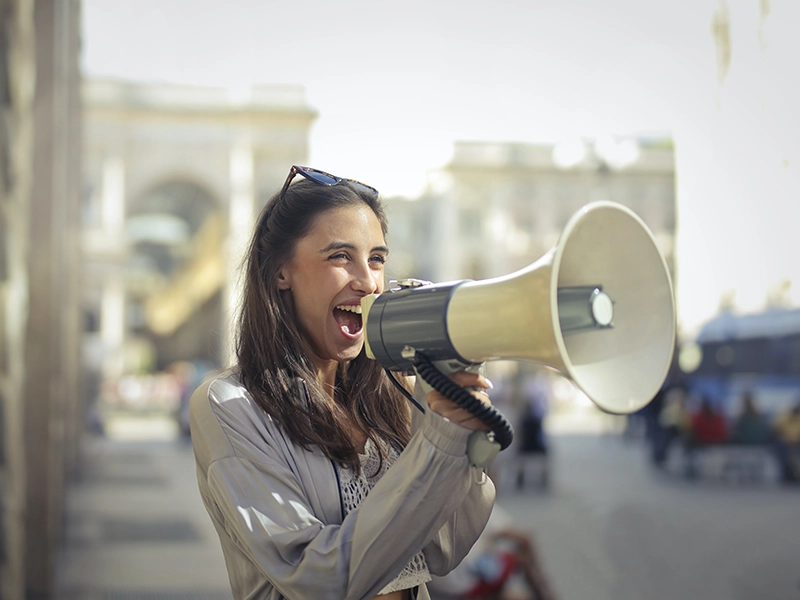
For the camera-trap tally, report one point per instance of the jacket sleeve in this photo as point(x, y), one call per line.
point(430, 498)
point(457, 536)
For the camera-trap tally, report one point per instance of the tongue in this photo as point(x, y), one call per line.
point(348, 322)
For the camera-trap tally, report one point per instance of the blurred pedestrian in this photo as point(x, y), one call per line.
point(674, 423)
point(750, 426)
point(787, 443)
point(502, 555)
point(708, 427)
point(186, 378)
point(533, 447)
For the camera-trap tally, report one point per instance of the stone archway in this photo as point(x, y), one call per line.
point(175, 232)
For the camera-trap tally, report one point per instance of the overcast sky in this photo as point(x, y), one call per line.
point(396, 84)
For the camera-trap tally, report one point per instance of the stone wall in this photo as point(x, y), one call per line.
point(17, 79)
point(39, 257)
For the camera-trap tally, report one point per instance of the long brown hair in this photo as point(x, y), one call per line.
point(273, 355)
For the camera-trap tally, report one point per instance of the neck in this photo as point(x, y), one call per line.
point(326, 375)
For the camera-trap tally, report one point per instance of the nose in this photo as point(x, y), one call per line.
point(366, 279)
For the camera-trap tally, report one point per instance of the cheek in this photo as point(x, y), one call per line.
point(307, 301)
point(379, 277)
point(320, 291)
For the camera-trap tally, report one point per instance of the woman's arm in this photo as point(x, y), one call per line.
point(456, 537)
point(266, 512)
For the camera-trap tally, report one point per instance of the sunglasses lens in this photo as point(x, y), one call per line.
point(327, 179)
point(363, 188)
point(321, 177)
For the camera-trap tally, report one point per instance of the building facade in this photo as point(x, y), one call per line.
point(497, 207)
point(174, 178)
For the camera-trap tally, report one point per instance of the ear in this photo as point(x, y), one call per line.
point(283, 281)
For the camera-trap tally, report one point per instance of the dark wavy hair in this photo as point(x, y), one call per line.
point(273, 355)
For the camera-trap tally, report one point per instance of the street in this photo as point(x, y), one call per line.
point(607, 527)
point(611, 527)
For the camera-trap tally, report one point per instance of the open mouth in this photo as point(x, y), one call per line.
point(348, 317)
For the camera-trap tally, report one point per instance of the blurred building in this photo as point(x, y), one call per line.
point(40, 280)
point(174, 178)
point(497, 207)
point(126, 208)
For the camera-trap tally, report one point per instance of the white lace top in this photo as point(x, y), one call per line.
point(354, 488)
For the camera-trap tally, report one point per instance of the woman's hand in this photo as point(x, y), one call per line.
point(449, 409)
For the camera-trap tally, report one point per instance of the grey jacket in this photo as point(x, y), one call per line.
point(277, 510)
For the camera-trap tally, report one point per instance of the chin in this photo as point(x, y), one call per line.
point(350, 353)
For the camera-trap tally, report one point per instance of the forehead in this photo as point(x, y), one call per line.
point(354, 224)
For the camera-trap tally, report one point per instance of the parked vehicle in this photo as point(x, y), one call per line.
point(756, 353)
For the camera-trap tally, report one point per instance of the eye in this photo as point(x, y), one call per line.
point(378, 259)
point(338, 256)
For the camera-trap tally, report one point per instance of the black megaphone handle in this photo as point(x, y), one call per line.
point(488, 414)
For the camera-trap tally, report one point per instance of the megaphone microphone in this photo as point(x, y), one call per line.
point(598, 308)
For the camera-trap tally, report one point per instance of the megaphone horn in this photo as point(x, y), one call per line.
point(598, 307)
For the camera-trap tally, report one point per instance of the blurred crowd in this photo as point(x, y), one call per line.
point(160, 392)
point(695, 426)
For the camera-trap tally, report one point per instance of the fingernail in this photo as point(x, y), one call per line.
point(489, 383)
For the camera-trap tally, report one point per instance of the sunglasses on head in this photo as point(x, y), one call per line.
point(323, 178)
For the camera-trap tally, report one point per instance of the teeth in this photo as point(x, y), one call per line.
point(354, 308)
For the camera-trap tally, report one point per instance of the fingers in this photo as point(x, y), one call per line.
point(476, 380)
point(450, 410)
point(477, 384)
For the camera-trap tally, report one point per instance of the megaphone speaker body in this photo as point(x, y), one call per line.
point(620, 360)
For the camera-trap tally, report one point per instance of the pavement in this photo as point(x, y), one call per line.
point(607, 526)
point(136, 528)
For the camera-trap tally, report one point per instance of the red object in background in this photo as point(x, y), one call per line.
point(709, 427)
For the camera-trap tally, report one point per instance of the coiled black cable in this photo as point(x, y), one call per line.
point(492, 417)
point(404, 391)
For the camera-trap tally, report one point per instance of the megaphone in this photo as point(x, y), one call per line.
point(598, 307)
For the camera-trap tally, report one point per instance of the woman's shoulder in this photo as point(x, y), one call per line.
point(223, 385)
point(223, 393)
point(226, 421)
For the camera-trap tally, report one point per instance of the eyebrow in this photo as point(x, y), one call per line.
point(347, 246)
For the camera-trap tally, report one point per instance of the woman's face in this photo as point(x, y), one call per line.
point(340, 261)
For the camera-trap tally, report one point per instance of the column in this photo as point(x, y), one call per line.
point(240, 229)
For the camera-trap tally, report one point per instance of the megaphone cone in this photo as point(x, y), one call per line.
point(598, 307)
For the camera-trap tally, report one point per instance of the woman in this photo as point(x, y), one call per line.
point(317, 481)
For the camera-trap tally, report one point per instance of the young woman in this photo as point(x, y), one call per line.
point(319, 480)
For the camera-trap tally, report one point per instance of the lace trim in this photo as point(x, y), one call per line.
point(354, 488)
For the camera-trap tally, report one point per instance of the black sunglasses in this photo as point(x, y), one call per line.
point(323, 178)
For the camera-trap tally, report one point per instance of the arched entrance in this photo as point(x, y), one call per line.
point(176, 270)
